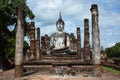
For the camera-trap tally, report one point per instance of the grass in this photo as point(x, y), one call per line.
point(110, 70)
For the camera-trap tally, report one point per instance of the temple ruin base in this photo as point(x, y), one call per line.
point(62, 51)
point(67, 64)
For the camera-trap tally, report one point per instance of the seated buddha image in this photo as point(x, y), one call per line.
point(60, 41)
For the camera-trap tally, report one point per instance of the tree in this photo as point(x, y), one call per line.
point(22, 12)
point(14, 12)
point(113, 51)
point(6, 19)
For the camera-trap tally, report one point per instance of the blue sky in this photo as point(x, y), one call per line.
point(74, 12)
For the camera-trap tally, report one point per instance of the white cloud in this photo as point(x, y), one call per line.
point(111, 44)
point(47, 11)
point(48, 30)
point(74, 12)
point(109, 18)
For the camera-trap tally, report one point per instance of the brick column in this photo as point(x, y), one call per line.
point(47, 42)
point(38, 43)
point(32, 41)
point(73, 42)
point(95, 40)
point(78, 43)
point(43, 43)
point(86, 40)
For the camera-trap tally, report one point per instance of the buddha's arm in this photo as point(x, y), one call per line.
point(68, 41)
point(51, 42)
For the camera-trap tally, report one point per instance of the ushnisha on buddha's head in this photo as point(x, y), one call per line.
point(60, 24)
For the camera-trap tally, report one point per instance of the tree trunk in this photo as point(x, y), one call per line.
point(19, 43)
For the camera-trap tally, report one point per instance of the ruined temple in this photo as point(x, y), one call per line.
point(64, 49)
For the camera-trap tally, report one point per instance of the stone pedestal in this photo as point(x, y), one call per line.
point(18, 70)
point(32, 41)
point(78, 43)
point(95, 40)
point(96, 70)
point(86, 41)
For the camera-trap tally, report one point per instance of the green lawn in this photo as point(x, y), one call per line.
point(110, 70)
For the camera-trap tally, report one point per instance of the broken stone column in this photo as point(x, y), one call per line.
point(47, 42)
point(78, 43)
point(86, 40)
point(27, 55)
point(37, 43)
point(19, 43)
point(43, 43)
point(73, 41)
point(32, 41)
point(95, 40)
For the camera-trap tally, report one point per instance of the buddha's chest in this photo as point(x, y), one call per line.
point(59, 42)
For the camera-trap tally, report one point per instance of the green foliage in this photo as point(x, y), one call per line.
point(110, 70)
point(11, 48)
point(15, 4)
point(113, 51)
point(116, 60)
point(8, 17)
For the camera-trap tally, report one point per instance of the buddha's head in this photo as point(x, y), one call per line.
point(60, 24)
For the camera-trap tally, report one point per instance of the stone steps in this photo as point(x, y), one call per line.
point(47, 62)
point(60, 58)
point(78, 68)
point(55, 62)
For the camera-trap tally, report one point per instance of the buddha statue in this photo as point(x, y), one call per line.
point(59, 41)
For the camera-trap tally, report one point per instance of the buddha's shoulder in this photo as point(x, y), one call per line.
point(67, 34)
point(53, 34)
point(56, 33)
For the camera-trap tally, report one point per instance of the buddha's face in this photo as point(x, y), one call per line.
point(60, 26)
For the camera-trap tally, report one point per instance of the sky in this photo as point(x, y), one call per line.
point(73, 13)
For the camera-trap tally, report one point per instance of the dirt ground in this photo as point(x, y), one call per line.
point(9, 75)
